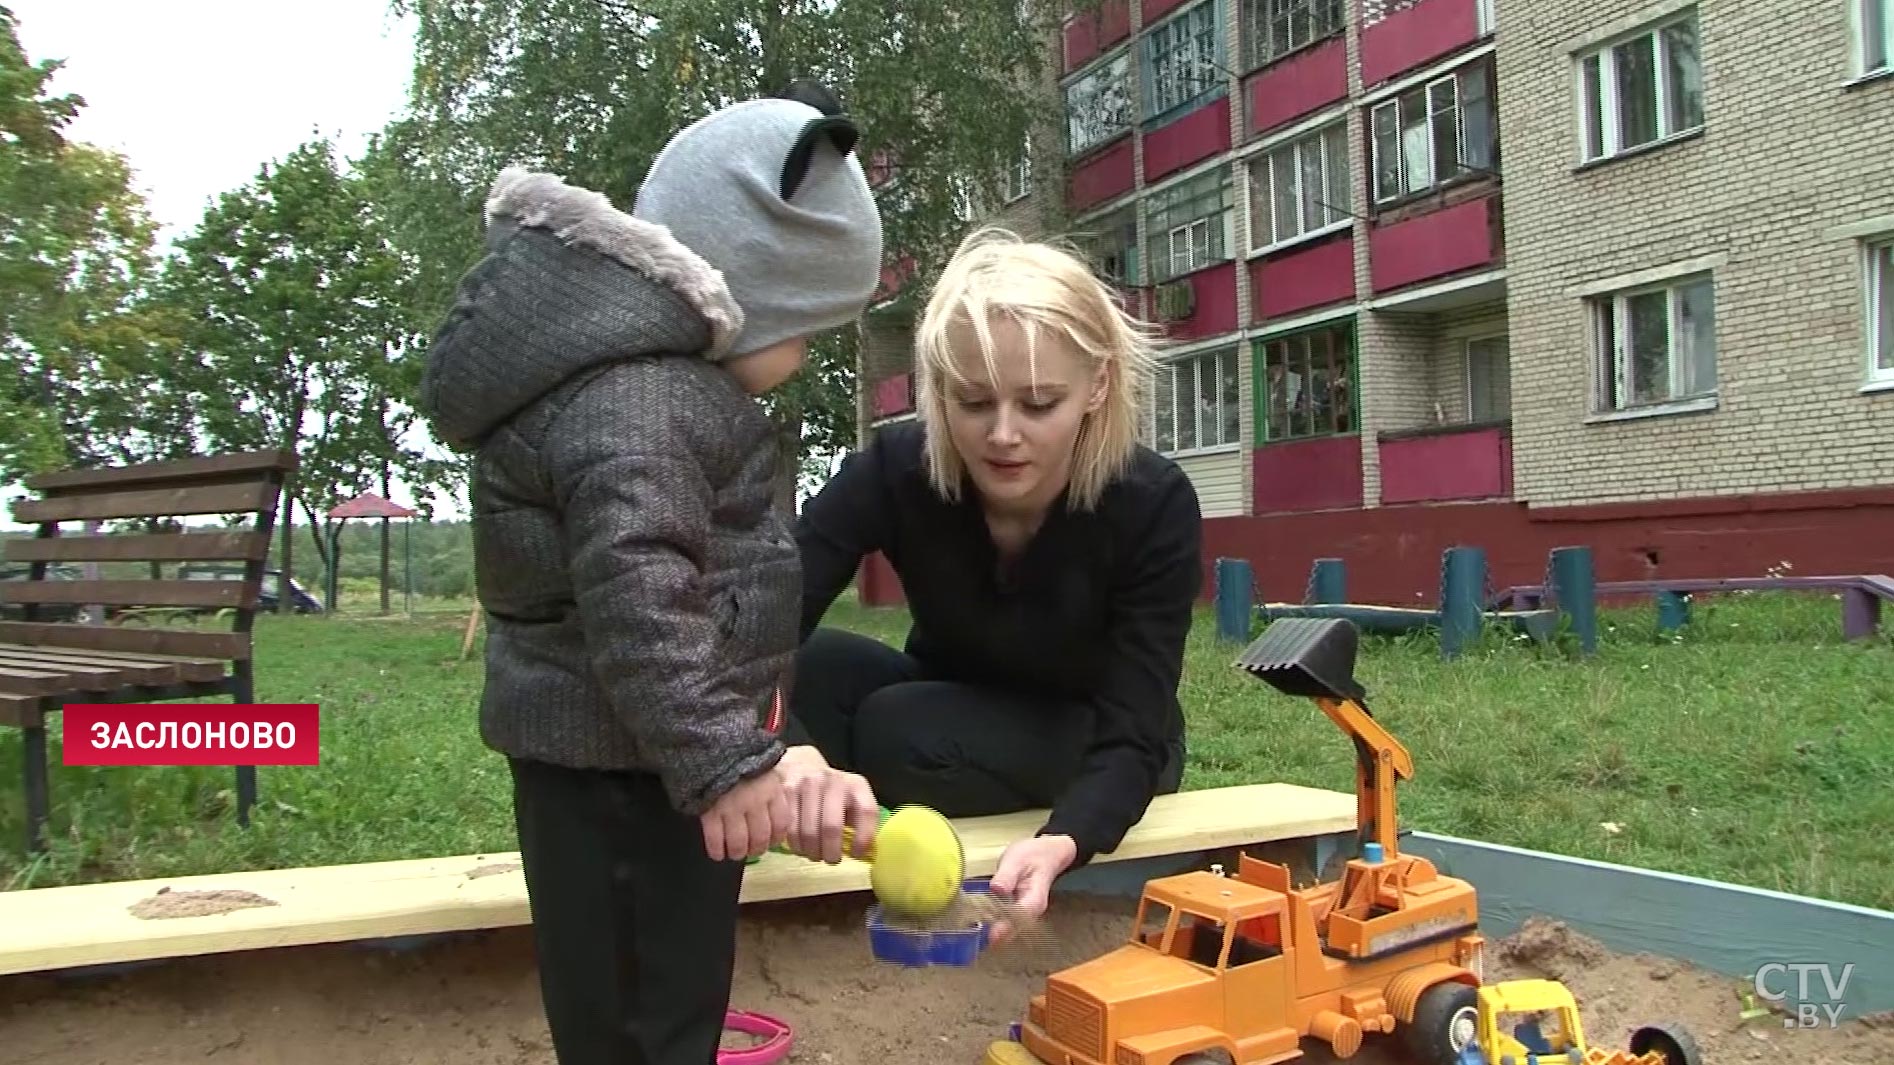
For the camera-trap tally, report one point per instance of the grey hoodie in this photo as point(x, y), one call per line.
point(641, 594)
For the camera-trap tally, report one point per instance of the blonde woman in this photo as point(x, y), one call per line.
point(1050, 562)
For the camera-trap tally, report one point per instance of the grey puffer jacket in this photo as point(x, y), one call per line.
point(641, 594)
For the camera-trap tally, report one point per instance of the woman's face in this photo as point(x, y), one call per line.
point(1016, 435)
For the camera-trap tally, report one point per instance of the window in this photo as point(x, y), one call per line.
point(1641, 90)
point(1300, 187)
point(1881, 312)
point(1489, 380)
point(1874, 34)
point(1197, 403)
point(1098, 105)
point(1181, 57)
point(1656, 344)
point(1307, 384)
point(1434, 133)
point(1274, 28)
point(1188, 225)
point(1016, 181)
point(1111, 243)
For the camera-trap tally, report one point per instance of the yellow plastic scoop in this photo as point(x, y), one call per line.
point(916, 863)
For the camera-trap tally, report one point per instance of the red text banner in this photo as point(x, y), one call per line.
point(191, 734)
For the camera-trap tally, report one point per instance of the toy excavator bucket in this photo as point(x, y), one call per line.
point(1310, 657)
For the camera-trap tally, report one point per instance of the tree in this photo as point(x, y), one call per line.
point(84, 351)
point(298, 311)
point(591, 89)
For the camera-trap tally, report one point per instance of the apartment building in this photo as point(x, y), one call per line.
point(1514, 273)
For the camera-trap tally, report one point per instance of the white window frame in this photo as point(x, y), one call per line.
point(1600, 116)
point(1484, 17)
point(1871, 25)
point(1016, 180)
point(1163, 232)
point(1275, 29)
point(1266, 231)
point(1612, 362)
point(1229, 383)
point(1505, 356)
point(1431, 94)
point(1103, 111)
point(1877, 278)
point(1183, 58)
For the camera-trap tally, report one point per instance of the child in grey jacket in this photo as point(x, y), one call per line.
point(641, 594)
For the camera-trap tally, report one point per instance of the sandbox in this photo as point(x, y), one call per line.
point(472, 999)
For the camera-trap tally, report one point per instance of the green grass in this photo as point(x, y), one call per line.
point(1756, 747)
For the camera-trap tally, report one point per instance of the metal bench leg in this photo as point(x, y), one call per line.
point(37, 791)
point(246, 793)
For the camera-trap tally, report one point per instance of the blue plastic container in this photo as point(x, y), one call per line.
point(918, 950)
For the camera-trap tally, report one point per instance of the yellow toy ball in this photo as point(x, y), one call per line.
point(917, 864)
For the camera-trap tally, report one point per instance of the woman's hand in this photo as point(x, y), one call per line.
point(821, 800)
point(1027, 869)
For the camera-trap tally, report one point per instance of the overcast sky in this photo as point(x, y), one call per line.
point(199, 93)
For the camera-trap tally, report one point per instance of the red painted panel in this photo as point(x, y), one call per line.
point(894, 276)
point(1299, 85)
point(1475, 464)
point(1109, 173)
point(1090, 33)
point(1431, 245)
point(1416, 35)
point(876, 583)
point(1303, 277)
point(893, 395)
point(1319, 474)
point(1157, 9)
point(1393, 553)
point(1196, 136)
point(1214, 313)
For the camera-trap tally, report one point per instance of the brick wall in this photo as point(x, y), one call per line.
point(1787, 153)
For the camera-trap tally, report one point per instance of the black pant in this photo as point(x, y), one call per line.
point(634, 924)
point(964, 750)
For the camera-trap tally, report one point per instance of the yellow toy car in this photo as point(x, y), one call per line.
point(1535, 1022)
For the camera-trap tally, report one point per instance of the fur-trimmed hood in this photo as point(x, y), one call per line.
point(568, 282)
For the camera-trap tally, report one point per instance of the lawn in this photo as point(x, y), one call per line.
point(1756, 747)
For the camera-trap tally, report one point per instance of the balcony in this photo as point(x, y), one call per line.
point(1320, 473)
point(1196, 305)
point(1303, 277)
point(1089, 34)
point(1399, 35)
point(1434, 245)
point(1194, 137)
point(1300, 84)
point(1439, 464)
point(1104, 175)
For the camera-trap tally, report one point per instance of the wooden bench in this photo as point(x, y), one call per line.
point(143, 655)
point(112, 923)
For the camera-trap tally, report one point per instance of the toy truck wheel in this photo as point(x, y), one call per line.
point(1672, 1044)
point(1204, 1057)
point(1446, 1019)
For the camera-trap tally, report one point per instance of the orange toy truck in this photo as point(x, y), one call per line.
point(1240, 969)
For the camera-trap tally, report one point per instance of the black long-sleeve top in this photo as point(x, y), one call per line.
point(1097, 607)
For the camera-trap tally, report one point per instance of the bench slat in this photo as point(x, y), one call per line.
point(23, 680)
point(18, 711)
point(263, 462)
point(144, 547)
point(256, 496)
point(131, 593)
point(117, 671)
point(96, 677)
point(180, 666)
point(227, 646)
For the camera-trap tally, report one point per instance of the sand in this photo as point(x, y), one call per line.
point(474, 1000)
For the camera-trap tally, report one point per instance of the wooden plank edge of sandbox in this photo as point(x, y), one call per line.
point(92, 926)
point(1727, 929)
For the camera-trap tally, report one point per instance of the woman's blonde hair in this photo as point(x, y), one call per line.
point(1045, 288)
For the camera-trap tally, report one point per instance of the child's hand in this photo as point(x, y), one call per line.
point(748, 819)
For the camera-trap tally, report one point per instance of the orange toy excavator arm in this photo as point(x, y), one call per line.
point(1379, 760)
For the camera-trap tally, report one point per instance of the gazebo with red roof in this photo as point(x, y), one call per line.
point(370, 505)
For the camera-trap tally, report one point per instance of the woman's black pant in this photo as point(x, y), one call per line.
point(634, 924)
point(964, 750)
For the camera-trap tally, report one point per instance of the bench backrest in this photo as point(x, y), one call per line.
point(244, 488)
